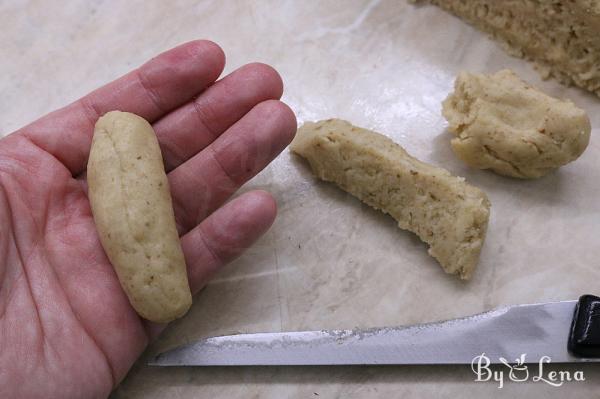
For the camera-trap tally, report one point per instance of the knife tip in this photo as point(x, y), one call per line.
point(154, 362)
point(158, 360)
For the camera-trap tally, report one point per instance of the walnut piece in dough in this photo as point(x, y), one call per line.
point(503, 124)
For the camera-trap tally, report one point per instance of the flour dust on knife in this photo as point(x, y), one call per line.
point(565, 332)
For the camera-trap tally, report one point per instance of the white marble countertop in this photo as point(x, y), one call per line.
point(329, 261)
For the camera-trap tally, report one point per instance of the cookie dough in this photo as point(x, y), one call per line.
point(561, 38)
point(443, 210)
point(503, 124)
point(131, 204)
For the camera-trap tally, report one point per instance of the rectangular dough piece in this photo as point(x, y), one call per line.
point(443, 210)
point(562, 38)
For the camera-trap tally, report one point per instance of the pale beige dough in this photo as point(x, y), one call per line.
point(503, 124)
point(131, 203)
point(443, 210)
point(562, 38)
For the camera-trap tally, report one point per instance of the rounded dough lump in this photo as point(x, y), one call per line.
point(503, 124)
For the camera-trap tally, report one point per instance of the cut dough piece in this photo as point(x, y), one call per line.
point(562, 38)
point(505, 125)
point(443, 210)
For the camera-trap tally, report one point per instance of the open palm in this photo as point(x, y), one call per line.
point(66, 327)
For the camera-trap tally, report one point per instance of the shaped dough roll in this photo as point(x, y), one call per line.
point(131, 203)
point(443, 210)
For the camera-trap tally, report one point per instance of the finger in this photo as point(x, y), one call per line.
point(204, 182)
point(225, 234)
point(222, 237)
point(187, 130)
point(158, 86)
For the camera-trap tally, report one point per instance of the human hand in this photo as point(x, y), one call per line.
point(66, 327)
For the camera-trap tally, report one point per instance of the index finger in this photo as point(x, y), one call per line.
point(150, 91)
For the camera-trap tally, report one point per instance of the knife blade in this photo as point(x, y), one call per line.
point(555, 330)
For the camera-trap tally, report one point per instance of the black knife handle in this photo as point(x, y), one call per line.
point(584, 339)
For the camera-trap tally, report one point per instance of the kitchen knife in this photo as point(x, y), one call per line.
point(564, 332)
